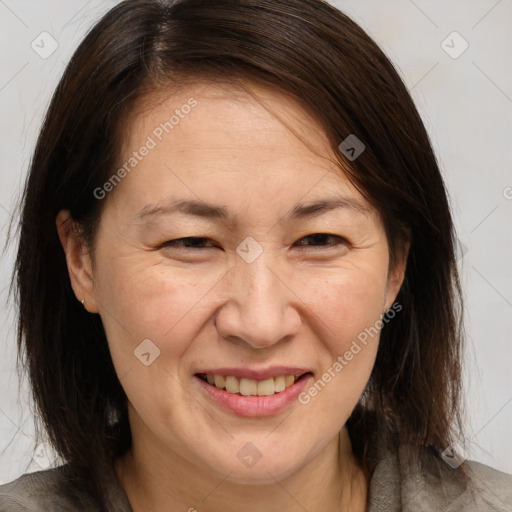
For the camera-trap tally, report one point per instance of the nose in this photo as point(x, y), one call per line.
point(260, 309)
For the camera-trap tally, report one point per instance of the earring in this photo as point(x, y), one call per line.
point(83, 302)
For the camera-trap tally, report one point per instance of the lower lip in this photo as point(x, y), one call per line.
point(255, 406)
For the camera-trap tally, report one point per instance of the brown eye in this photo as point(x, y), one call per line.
point(191, 242)
point(321, 239)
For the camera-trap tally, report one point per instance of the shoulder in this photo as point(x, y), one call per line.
point(432, 485)
point(48, 490)
point(489, 488)
point(472, 487)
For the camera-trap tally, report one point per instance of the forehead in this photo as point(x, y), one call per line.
point(233, 143)
point(247, 115)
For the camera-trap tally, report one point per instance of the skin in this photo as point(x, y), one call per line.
point(298, 305)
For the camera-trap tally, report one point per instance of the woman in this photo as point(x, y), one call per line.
point(236, 275)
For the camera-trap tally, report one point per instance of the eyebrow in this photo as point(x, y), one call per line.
point(202, 209)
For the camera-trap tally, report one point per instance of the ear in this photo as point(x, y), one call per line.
point(78, 260)
point(396, 273)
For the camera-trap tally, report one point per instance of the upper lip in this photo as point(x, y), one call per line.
point(261, 374)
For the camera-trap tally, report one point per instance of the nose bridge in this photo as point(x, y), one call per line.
point(259, 310)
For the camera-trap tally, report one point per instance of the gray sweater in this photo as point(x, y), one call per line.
point(394, 487)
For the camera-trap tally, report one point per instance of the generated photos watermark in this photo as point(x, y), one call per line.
point(151, 142)
point(343, 360)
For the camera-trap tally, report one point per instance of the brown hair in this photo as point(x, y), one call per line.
point(315, 53)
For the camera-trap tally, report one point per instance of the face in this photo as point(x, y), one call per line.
point(253, 282)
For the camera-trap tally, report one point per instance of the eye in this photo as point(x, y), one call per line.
point(191, 242)
point(198, 242)
point(319, 238)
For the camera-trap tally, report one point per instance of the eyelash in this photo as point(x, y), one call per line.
point(178, 243)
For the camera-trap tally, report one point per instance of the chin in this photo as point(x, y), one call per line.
point(249, 466)
point(259, 475)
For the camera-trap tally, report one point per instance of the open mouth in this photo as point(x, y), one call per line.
point(251, 387)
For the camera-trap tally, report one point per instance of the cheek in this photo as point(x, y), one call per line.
point(350, 305)
point(143, 301)
point(158, 302)
point(348, 300)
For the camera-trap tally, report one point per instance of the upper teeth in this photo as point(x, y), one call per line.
point(248, 387)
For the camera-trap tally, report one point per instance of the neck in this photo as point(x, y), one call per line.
point(160, 481)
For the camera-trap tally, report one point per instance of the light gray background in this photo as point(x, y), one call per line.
point(466, 103)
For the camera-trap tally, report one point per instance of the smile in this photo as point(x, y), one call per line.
point(250, 397)
point(250, 387)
